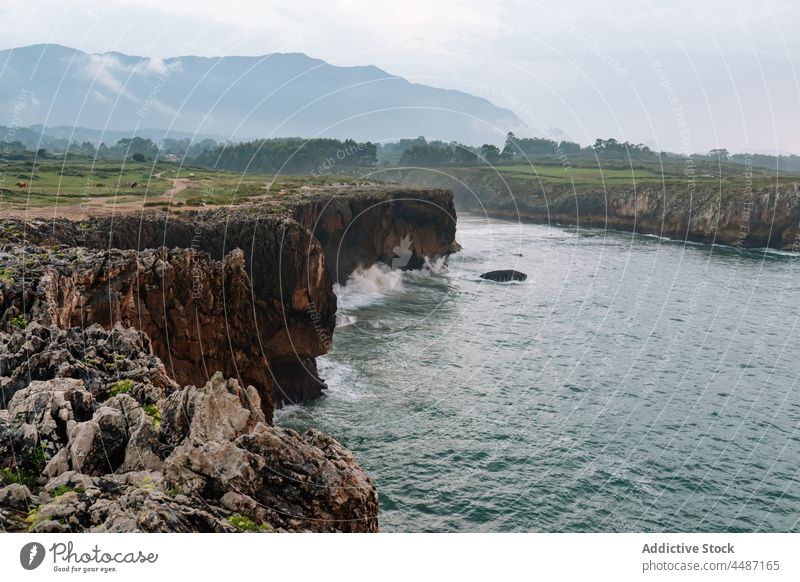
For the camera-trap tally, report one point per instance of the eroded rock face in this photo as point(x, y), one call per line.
point(400, 228)
point(200, 313)
point(729, 214)
point(258, 291)
point(202, 460)
point(266, 313)
point(95, 425)
point(96, 356)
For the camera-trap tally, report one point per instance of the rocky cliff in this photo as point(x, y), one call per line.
point(271, 302)
point(96, 435)
point(736, 213)
point(280, 318)
point(364, 225)
point(198, 313)
point(103, 321)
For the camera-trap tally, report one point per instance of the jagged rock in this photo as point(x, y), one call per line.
point(86, 449)
point(15, 496)
point(212, 457)
point(223, 410)
point(142, 451)
point(95, 416)
point(99, 358)
point(114, 436)
point(18, 446)
point(211, 469)
point(58, 464)
point(504, 275)
point(329, 491)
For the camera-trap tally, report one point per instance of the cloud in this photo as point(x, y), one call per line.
point(102, 70)
point(732, 62)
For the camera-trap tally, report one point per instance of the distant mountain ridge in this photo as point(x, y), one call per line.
point(276, 95)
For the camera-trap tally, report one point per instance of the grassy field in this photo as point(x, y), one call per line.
point(611, 173)
point(80, 188)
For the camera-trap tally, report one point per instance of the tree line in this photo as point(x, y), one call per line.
point(319, 156)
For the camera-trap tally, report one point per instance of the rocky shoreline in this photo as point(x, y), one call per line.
point(142, 357)
point(741, 214)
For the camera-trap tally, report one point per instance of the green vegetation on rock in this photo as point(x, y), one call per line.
point(243, 523)
point(121, 387)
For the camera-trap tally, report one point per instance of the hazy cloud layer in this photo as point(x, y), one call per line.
point(714, 73)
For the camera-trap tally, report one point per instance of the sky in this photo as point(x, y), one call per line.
point(684, 76)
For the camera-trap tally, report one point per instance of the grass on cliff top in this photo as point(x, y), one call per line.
point(77, 187)
point(544, 180)
point(104, 186)
point(670, 172)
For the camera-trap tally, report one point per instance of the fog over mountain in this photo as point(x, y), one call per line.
point(280, 94)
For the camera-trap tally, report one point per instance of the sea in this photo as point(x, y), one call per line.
point(630, 384)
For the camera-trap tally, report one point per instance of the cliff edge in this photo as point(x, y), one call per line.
point(109, 325)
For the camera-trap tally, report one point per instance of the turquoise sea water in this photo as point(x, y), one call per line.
point(630, 384)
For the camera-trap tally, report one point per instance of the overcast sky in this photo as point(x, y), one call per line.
point(676, 75)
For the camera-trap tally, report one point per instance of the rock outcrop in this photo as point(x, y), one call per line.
point(236, 284)
point(275, 283)
point(201, 459)
point(107, 327)
point(366, 225)
point(95, 356)
point(504, 276)
point(199, 313)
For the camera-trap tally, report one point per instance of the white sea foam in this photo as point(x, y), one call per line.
point(364, 286)
point(343, 380)
point(436, 266)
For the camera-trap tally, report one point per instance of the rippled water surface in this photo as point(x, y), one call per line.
point(630, 384)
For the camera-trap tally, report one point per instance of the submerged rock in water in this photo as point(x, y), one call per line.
point(504, 275)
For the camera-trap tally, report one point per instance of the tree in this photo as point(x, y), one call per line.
point(720, 153)
point(138, 157)
point(511, 148)
point(491, 153)
point(88, 149)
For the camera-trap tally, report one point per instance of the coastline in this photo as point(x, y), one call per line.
point(243, 319)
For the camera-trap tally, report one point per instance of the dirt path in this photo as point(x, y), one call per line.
point(180, 185)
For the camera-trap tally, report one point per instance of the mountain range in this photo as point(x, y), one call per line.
point(236, 97)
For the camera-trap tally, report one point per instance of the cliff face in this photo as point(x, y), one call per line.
point(262, 314)
point(765, 219)
point(257, 303)
point(198, 313)
point(761, 217)
point(363, 226)
point(103, 321)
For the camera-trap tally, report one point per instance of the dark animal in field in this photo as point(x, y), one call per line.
point(22, 185)
point(133, 184)
point(504, 275)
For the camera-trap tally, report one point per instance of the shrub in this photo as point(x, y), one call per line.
point(20, 476)
point(121, 387)
point(62, 489)
point(154, 412)
point(20, 321)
